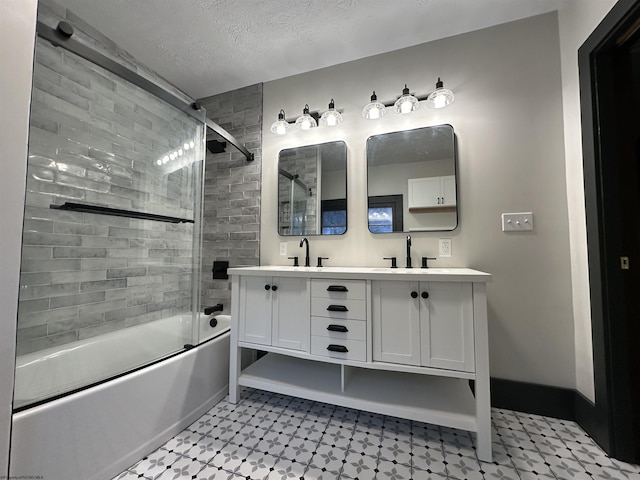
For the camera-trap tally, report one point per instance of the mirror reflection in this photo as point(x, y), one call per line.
point(312, 190)
point(411, 180)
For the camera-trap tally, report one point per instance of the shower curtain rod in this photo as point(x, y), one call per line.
point(61, 37)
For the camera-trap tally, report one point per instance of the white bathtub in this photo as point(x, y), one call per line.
point(98, 432)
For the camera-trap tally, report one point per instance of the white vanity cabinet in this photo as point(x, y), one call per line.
point(424, 323)
point(399, 342)
point(274, 311)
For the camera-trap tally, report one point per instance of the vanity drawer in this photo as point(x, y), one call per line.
point(338, 289)
point(339, 329)
point(343, 349)
point(336, 308)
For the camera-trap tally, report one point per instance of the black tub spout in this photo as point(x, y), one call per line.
point(216, 308)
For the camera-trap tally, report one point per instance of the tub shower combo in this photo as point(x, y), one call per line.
point(113, 354)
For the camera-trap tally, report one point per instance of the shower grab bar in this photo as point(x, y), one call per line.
point(61, 37)
point(81, 207)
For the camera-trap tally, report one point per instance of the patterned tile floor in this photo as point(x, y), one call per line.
point(272, 436)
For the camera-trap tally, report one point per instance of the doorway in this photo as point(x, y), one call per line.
point(610, 100)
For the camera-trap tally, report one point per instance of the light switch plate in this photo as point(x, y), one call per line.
point(444, 247)
point(283, 248)
point(517, 222)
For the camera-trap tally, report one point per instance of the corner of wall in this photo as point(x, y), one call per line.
point(17, 36)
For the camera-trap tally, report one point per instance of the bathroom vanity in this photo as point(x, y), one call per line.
point(399, 342)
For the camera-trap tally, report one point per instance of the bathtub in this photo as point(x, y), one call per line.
point(97, 432)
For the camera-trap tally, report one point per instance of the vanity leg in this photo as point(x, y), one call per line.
point(482, 390)
point(235, 354)
point(234, 371)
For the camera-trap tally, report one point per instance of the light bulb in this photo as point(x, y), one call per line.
point(192, 144)
point(374, 109)
point(280, 126)
point(306, 121)
point(331, 117)
point(440, 97)
point(407, 103)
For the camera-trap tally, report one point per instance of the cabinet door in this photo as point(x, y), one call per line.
point(291, 313)
point(424, 192)
point(448, 191)
point(255, 310)
point(396, 322)
point(446, 326)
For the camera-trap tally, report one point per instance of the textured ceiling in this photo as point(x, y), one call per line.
point(206, 47)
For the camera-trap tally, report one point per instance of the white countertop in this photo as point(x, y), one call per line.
point(368, 273)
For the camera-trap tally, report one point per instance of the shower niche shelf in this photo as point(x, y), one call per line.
point(85, 208)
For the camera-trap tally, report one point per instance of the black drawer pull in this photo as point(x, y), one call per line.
point(337, 328)
point(337, 308)
point(337, 348)
point(337, 288)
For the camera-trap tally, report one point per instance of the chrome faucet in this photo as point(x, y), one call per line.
point(408, 251)
point(307, 261)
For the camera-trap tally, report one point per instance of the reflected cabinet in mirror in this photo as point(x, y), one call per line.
point(312, 190)
point(411, 180)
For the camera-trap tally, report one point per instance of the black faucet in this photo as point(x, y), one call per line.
point(408, 251)
point(216, 308)
point(307, 261)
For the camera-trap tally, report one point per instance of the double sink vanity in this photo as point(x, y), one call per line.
point(400, 342)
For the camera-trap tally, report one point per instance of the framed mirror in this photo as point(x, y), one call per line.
point(312, 190)
point(411, 180)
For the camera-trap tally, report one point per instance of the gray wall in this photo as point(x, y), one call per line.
point(508, 121)
point(96, 139)
point(231, 213)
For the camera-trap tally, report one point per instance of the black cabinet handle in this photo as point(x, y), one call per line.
point(337, 348)
point(267, 287)
point(274, 288)
point(425, 294)
point(414, 294)
point(337, 288)
point(337, 308)
point(337, 328)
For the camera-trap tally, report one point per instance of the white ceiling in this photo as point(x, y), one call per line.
point(206, 47)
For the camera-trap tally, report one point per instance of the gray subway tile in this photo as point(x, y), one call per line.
point(101, 307)
point(44, 291)
point(79, 252)
point(50, 239)
point(101, 285)
point(78, 299)
point(30, 306)
point(126, 272)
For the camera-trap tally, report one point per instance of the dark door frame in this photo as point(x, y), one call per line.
point(604, 420)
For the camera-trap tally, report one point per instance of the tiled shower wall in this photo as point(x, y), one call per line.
point(231, 228)
point(97, 140)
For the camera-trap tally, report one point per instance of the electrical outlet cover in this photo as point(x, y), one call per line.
point(283, 248)
point(444, 247)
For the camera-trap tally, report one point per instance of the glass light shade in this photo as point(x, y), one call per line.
point(280, 126)
point(407, 103)
point(441, 97)
point(374, 109)
point(306, 121)
point(331, 117)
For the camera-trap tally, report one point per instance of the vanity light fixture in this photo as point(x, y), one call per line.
point(374, 109)
point(306, 121)
point(441, 97)
point(407, 103)
point(280, 126)
point(331, 117)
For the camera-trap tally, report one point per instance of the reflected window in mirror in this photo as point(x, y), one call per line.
point(385, 214)
point(312, 190)
point(417, 169)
